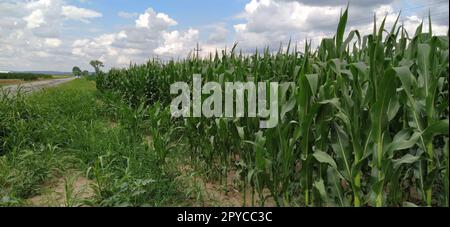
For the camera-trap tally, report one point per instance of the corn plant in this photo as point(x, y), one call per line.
point(366, 123)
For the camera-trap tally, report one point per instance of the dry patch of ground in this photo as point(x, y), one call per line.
point(6, 82)
point(113, 125)
point(70, 190)
point(10, 81)
point(148, 139)
point(213, 194)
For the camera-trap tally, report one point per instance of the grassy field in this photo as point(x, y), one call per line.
point(74, 146)
point(68, 135)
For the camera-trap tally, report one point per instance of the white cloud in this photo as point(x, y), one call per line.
point(80, 42)
point(154, 21)
point(219, 35)
point(152, 35)
point(35, 19)
point(269, 22)
point(410, 23)
point(33, 32)
point(105, 40)
point(80, 14)
point(127, 15)
point(176, 43)
point(41, 54)
point(39, 4)
point(53, 42)
point(240, 27)
point(255, 4)
point(288, 19)
point(166, 18)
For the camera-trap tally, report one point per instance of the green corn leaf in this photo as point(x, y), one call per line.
point(320, 186)
point(437, 128)
point(407, 159)
point(313, 80)
point(341, 30)
point(323, 157)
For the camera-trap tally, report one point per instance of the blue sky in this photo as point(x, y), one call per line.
point(189, 13)
point(192, 13)
point(58, 34)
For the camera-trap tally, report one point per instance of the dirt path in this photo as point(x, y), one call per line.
point(67, 191)
point(34, 86)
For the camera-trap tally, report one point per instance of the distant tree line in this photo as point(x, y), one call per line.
point(23, 76)
point(96, 64)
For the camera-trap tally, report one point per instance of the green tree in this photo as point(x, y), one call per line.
point(76, 71)
point(85, 73)
point(97, 65)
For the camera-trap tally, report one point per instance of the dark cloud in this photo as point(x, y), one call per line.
point(361, 9)
point(313, 20)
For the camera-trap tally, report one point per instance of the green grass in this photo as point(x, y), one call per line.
point(48, 133)
point(60, 76)
point(81, 85)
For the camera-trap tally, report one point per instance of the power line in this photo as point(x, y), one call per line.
point(426, 5)
point(363, 19)
point(197, 50)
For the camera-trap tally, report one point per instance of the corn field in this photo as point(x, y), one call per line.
point(366, 123)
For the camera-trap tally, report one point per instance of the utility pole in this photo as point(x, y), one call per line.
point(197, 50)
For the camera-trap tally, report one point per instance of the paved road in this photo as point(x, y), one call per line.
point(34, 86)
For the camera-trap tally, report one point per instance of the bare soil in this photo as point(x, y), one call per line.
point(226, 195)
point(67, 191)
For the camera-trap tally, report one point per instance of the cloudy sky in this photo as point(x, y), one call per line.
point(58, 34)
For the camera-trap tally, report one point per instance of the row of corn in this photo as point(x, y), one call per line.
point(366, 123)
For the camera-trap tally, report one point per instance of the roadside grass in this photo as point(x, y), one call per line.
point(60, 76)
point(48, 134)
